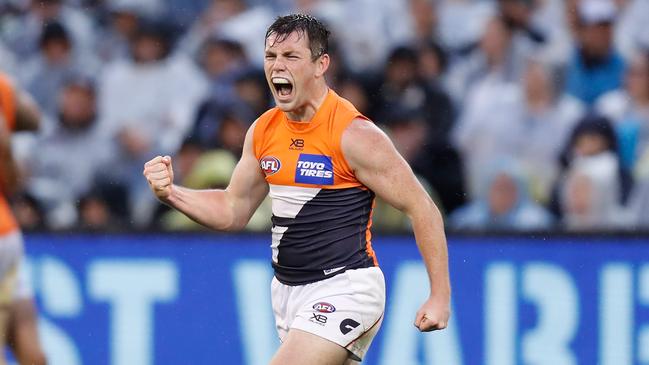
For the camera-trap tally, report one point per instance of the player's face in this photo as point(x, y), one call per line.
point(290, 71)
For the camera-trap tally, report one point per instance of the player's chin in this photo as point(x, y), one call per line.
point(285, 104)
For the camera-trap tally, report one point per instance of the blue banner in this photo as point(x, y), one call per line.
point(204, 299)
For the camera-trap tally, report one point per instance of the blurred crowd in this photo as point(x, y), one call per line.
point(516, 115)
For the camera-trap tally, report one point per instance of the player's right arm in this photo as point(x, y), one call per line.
point(224, 210)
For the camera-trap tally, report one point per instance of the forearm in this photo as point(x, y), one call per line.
point(428, 227)
point(211, 208)
point(8, 168)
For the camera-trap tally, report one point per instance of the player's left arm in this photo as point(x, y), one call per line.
point(378, 165)
point(8, 168)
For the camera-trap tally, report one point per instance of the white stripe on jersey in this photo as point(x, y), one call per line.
point(287, 201)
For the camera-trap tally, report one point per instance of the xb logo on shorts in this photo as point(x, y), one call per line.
point(347, 325)
point(314, 169)
point(270, 165)
point(318, 318)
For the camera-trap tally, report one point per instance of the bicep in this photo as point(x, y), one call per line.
point(383, 170)
point(247, 187)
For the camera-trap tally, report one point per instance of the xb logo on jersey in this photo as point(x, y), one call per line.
point(296, 144)
point(270, 165)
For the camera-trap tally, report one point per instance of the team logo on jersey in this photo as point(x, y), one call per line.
point(270, 165)
point(314, 169)
point(324, 307)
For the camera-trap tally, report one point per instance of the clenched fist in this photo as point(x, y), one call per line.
point(160, 176)
point(433, 315)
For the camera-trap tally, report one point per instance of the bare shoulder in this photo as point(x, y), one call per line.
point(363, 129)
point(362, 141)
point(250, 134)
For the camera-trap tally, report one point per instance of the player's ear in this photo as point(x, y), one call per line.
point(322, 64)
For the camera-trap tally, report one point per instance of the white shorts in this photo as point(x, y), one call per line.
point(346, 309)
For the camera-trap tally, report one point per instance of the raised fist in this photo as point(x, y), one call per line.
point(160, 176)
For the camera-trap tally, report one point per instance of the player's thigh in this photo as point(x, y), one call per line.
point(300, 347)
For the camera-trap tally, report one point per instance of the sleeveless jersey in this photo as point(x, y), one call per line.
point(321, 213)
point(8, 112)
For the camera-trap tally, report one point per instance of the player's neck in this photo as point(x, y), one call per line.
point(308, 110)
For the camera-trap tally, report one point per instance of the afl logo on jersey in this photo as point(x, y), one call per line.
point(270, 165)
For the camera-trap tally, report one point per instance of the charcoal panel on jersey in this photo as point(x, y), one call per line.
point(328, 233)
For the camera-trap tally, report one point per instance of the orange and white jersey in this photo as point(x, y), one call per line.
point(8, 112)
point(321, 213)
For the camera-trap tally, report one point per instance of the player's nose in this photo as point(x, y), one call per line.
point(278, 64)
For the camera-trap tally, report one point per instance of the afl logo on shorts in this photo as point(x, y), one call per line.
point(270, 165)
point(323, 307)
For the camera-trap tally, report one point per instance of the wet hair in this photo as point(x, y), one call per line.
point(317, 33)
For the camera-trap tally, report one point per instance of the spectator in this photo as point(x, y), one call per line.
point(233, 20)
point(27, 30)
point(545, 121)
point(596, 67)
point(505, 204)
point(432, 64)
point(122, 24)
point(492, 64)
point(95, 214)
point(461, 23)
point(167, 88)
point(529, 123)
point(223, 61)
point(631, 28)
point(28, 212)
point(252, 89)
point(592, 136)
point(365, 30)
point(540, 29)
point(67, 159)
point(590, 194)
point(424, 18)
point(352, 88)
point(57, 60)
point(438, 165)
point(427, 116)
point(628, 108)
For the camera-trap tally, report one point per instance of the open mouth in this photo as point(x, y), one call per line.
point(282, 85)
